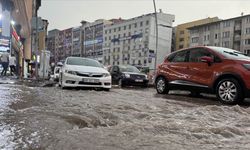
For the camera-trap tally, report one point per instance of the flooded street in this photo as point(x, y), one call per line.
point(122, 119)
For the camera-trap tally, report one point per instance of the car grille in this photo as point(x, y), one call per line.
point(89, 75)
point(87, 83)
point(135, 76)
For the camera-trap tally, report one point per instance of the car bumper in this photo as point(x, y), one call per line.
point(69, 80)
point(133, 82)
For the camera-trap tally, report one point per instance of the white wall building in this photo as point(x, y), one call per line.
point(133, 41)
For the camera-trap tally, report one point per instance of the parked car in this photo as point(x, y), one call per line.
point(84, 72)
point(125, 75)
point(222, 71)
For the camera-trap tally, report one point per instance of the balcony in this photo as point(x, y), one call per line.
point(237, 38)
point(237, 28)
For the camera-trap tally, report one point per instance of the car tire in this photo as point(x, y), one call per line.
point(229, 91)
point(161, 85)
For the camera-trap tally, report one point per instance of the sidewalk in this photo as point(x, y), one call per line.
point(8, 80)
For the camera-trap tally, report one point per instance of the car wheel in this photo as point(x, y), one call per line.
point(229, 91)
point(161, 86)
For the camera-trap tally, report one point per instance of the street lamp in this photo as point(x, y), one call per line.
point(12, 22)
point(156, 35)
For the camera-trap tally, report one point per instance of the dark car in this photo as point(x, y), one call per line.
point(126, 75)
point(221, 71)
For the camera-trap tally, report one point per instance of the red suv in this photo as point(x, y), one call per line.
point(221, 71)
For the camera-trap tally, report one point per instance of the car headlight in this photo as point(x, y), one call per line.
point(146, 76)
point(70, 72)
point(127, 75)
point(247, 66)
point(106, 74)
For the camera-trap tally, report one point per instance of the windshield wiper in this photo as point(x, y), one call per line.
point(231, 53)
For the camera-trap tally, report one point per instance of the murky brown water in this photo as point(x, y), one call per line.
point(50, 118)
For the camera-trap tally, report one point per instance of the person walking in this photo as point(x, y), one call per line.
point(12, 63)
point(5, 62)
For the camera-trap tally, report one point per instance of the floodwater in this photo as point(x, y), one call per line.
point(122, 119)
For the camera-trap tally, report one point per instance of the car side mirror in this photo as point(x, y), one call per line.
point(207, 59)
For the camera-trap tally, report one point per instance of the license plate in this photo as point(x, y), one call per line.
point(138, 80)
point(91, 80)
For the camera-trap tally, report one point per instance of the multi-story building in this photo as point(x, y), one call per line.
point(92, 39)
point(52, 44)
point(64, 48)
point(231, 33)
point(76, 41)
point(182, 34)
point(133, 41)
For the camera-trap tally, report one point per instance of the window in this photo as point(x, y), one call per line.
point(181, 46)
point(114, 29)
point(216, 36)
point(195, 40)
point(247, 30)
point(109, 37)
point(106, 31)
point(226, 24)
point(226, 34)
point(135, 25)
point(180, 57)
point(205, 38)
point(109, 30)
point(181, 39)
point(196, 54)
point(124, 27)
point(247, 41)
point(124, 34)
point(147, 22)
point(119, 29)
point(181, 32)
point(248, 20)
point(247, 52)
point(225, 44)
point(129, 26)
point(141, 24)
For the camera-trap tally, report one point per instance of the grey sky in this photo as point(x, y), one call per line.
point(63, 14)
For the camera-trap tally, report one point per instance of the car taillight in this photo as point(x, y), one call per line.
point(247, 66)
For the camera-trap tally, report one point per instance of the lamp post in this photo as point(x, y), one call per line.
point(156, 35)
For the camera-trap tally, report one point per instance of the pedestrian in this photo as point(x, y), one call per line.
point(12, 63)
point(5, 62)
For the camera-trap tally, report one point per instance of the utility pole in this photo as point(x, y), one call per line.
point(156, 35)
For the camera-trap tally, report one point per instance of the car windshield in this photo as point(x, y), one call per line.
point(230, 53)
point(83, 62)
point(129, 69)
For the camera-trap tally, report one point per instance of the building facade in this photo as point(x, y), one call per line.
point(182, 36)
point(52, 44)
point(92, 39)
point(133, 41)
point(232, 33)
point(76, 41)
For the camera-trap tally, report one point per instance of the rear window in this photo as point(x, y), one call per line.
point(230, 53)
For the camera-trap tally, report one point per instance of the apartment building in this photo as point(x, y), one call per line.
point(133, 41)
point(52, 44)
point(182, 34)
point(232, 33)
point(92, 39)
point(76, 41)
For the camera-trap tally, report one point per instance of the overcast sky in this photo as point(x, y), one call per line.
point(63, 14)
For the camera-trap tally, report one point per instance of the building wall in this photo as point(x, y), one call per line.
point(133, 41)
point(232, 33)
point(76, 41)
point(182, 33)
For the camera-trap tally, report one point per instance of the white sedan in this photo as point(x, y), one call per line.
point(84, 72)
